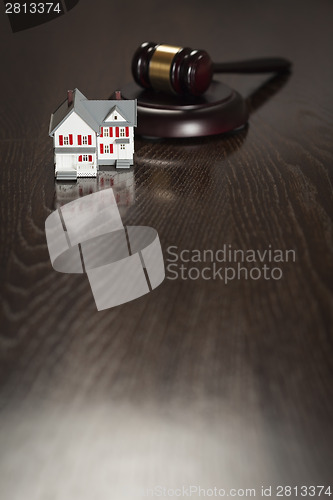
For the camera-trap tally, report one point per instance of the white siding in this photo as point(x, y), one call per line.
point(76, 126)
point(129, 148)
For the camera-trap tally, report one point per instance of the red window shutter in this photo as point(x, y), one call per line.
point(111, 148)
point(61, 140)
point(90, 158)
point(101, 148)
point(127, 131)
point(89, 140)
point(101, 131)
point(80, 158)
point(71, 139)
point(79, 140)
point(117, 131)
point(110, 132)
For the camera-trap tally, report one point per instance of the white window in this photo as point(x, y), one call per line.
point(106, 131)
point(106, 148)
point(84, 139)
point(66, 140)
point(115, 117)
point(122, 146)
point(85, 158)
point(122, 132)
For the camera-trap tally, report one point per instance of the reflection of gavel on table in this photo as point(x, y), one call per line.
point(187, 102)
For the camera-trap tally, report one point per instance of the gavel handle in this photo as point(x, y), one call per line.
point(262, 65)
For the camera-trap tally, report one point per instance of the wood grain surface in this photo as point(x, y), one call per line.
point(199, 382)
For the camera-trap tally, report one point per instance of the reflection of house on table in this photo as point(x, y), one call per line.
point(121, 181)
point(90, 134)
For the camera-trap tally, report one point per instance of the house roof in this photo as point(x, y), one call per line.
point(93, 112)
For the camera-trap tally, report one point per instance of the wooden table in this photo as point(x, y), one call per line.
point(200, 382)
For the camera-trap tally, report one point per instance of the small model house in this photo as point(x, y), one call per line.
point(88, 135)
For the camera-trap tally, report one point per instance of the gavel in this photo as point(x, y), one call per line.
point(186, 71)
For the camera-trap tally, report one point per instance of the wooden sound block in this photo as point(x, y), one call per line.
point(220, 110)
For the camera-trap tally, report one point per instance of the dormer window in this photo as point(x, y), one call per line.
point(114, 115)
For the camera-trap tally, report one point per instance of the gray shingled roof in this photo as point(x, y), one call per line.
point(93, 112)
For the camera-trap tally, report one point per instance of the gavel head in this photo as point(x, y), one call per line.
point(171, 69)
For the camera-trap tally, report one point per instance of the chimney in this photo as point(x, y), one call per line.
point(69, 97)
point(118, 95)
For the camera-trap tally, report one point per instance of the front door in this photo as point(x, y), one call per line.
point(122, 151)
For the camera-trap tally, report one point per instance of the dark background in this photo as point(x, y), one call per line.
point(197, 382)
